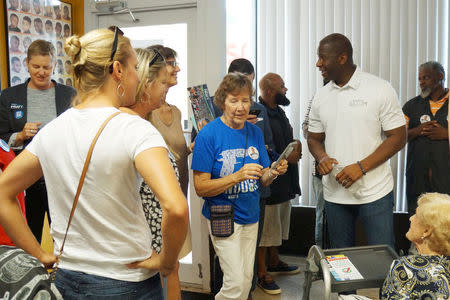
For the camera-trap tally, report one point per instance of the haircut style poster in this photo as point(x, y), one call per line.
point(30, 20)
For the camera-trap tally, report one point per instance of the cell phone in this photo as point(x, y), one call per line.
point(287, 151)
point(255, 112)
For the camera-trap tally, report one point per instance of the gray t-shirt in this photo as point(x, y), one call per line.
point(41, 105)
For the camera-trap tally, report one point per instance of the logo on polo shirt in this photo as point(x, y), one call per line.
point(425, 118)
point(357, 102)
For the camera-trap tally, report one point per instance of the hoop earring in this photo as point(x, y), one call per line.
point(119, 94)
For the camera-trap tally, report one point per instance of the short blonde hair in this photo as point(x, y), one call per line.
point(433, 211)
point(147, 73)
point(41, 47)
point(91, 58)
point(232, 83)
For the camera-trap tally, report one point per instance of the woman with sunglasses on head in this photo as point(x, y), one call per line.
point(167, 119)
point(150, 95)
point(108, 233)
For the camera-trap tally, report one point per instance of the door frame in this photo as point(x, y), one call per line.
point(207, 64)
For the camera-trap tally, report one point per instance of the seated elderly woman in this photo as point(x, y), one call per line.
point(426, 275)
point(230, 162)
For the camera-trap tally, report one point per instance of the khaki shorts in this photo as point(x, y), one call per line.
point(276, 224)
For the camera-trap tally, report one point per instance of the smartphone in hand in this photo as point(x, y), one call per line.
point(255, 112)
point(287, 151)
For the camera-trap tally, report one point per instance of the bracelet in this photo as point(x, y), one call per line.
point(361, 167)
point(322, 159)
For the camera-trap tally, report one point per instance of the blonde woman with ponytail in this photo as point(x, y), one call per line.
point(108, 253)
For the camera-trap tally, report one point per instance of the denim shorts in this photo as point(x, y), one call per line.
point(79, 285)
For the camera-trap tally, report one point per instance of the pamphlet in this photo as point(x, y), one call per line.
point(201, 105)
point(342, 268)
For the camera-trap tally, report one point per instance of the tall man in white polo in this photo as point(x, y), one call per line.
point(358, 117)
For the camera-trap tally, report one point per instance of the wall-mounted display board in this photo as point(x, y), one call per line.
point(29, 20)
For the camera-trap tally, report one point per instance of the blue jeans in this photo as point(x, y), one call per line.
point(377, 218)
point(78, 285)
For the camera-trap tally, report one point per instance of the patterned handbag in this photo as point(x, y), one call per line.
point(22, 276)
point(222, 220)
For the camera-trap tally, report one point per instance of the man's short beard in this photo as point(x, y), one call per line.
point(426, 92)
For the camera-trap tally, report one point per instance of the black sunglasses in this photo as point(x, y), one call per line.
point(155, 58)
point(117, 31)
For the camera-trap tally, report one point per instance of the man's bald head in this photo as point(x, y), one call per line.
point(269, 82)
point(339, 44)
point(273, 90)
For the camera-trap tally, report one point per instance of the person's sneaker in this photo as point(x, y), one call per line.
point(283, 269)
point(268, 285)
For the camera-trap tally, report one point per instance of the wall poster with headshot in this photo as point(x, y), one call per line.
point(30, 20)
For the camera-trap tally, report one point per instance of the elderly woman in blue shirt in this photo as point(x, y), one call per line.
point(230, 162)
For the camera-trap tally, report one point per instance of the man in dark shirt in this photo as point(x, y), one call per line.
point(428, 159)
point(283, 189)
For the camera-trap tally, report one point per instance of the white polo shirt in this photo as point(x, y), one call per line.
point(353, 118)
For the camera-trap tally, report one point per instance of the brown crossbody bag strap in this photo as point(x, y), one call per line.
point(80, 185)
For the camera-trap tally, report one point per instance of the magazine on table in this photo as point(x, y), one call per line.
point(342, 268)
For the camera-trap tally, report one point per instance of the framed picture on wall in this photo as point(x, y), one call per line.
point(29, 20)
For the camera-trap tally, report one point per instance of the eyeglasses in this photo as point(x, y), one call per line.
point(155, 58)
point(172, 63)
point(117, 31)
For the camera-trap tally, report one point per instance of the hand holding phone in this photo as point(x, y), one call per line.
point(255, 112)
point(289, 148)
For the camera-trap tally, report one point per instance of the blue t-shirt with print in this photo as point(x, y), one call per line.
point(219, 150)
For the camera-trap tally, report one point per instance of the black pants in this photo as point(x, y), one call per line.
point(36, 205)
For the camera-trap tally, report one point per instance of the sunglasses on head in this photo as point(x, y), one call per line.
point(155, 58)
point(117, 32)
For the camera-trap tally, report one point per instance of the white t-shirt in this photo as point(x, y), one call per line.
point(353, 118)
point(108, 229)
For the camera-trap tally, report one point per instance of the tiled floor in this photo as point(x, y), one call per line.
point(291, 287)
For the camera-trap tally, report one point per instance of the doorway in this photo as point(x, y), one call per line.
point(177, 29)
